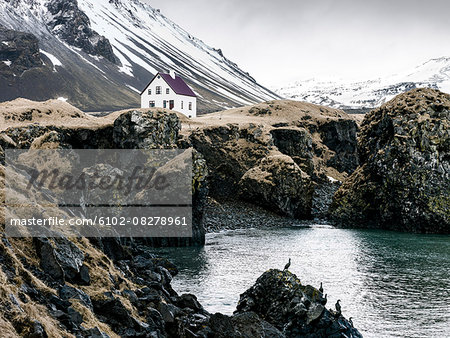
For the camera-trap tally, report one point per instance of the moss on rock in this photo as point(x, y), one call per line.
point(403, 182)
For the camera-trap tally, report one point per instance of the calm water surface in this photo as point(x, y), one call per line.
point(392, 284)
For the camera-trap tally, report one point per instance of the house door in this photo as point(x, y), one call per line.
point(171, 104)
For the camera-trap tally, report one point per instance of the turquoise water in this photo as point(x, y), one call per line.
point(392, 284)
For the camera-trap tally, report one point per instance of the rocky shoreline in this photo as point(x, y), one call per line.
point(270, 165)
point(78, 291)
point(232, 215)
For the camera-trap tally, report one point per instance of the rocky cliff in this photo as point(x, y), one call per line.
point(58, 125)
point(18, 52)
point(282, 155)
point(403, 181)
point(73, 26)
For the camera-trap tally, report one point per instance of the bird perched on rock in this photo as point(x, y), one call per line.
point(350, 321)
point(287, 265)
point(321, 287)
point(338, 307)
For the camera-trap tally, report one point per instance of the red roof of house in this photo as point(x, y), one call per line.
point(178, 85)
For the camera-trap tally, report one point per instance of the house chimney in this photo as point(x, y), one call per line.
point(172, 73)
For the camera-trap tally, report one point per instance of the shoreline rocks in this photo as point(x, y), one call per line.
point(294, 309)
point(132, 295)
point(403, 181)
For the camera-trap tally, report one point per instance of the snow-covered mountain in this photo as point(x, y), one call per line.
point(101, 53)
point(434, 73)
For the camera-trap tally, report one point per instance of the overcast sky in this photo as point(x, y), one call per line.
point(280, 41)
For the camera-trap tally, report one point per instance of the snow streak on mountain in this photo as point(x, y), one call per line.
point(434, 73)
point(101, 53)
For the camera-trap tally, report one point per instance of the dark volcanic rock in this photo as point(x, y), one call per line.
point(295, 309)
point(280, 185)
point(146, 130)
point(403, 182)
point(49, 261)
point(67, 292)
point(249, 324)
point(73, 26)
point(340, 137)
point(297, 143)
point(249, 152)
point(18, 52)
point(61, 259)
point(111, 310)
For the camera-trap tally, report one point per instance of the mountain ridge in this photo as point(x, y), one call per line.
point(107, 51)
point(363, 95)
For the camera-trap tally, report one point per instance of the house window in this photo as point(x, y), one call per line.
point(171, 104)
point(152, 104)
point(190, 105)
point(164, 104)
point(167, 91)
point(182, 104)
point(149, 92)
point(158, 90)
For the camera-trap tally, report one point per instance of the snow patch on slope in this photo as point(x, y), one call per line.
point(53, 59)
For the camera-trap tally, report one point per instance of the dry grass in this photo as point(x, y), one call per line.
point(7, 330)
point(100, 268)
point(267, 113)
point(270, 115)
point(24, 313)
point(89, 319)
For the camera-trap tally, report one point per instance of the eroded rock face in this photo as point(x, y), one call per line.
point(279, 184)
point(146, 130)
point(230, 151)
point(18, 52)
point(294, 309)
point(340, 137)
point(192, 159)
point(296, 143)
point(243, 162)
point(135, 129)
point(403, 182)
point(248, 150)
point(73, 26)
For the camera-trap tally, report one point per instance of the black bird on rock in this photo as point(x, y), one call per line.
point(338, 307)
point(287, 265)
point(350, 321)
point(321, 287)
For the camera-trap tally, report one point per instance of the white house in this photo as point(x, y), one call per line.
point(171, 92)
